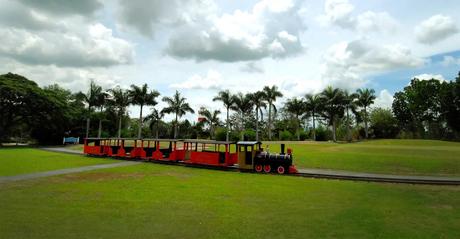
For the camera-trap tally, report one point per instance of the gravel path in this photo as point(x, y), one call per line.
point(63, 171)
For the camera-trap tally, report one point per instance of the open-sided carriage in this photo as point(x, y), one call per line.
point(245, 155)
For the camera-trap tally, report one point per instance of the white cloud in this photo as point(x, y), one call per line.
point(450, 60)
point(347, 63)
point(384, 99)
point(94, 45)
point(213, 80)
point(339, 13)
point(435, 29)
point(429, 77)
point(148, 16)
point(56, 7)
point(270, 29)
point(252, 67)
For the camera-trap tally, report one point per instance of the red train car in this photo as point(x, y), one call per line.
point(245, 155)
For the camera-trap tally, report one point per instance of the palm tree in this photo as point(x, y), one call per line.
point(349, 101)
point(140, 96)
point(243, 105)
point(178, 106)
point(228, 100)
point(333, 107)
point(211, 118)
point(91, 99)
point(258, 100)
point(155, 118)
point(120, 99)
point(271, 94)
point(313, 104)
point(101, 101)
point(296, 107)
point(366, 98)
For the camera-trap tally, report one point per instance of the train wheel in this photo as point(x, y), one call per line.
point(258, 168)
point(267, 168)
point(281, 170)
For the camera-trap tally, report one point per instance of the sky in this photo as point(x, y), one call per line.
point(200, 47)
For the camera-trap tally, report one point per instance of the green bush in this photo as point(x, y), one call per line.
point(303, 135)
point(221, 134)
point(249, 134)
point(323, 134)
point(286, 135)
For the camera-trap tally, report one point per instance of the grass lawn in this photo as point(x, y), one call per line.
point(14, 161)
point(160, 201)
point(407, 157)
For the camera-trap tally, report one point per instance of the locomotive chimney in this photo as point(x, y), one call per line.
point(282, 149)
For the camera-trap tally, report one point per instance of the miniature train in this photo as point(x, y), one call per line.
point(243, 155)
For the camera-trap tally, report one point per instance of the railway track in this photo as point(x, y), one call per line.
point(315, 173)
point(338, 175)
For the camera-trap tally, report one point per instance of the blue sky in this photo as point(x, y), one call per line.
point(202, 46)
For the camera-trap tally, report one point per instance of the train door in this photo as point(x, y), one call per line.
point(245, 156)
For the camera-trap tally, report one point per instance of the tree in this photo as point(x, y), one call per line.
point(141, 96)
point(211, 118)
point(271, 94)
point(155, 118)
point(101, 101)
point(313, 104)
point(243, 105)
point(178, 106)
point(91, 99)
point(258, 100)
point(365, 99)
point(296, 107)
point(119, 99)
point(383, 123)
point(349, 101)
point(228, 100)
point(333, 107)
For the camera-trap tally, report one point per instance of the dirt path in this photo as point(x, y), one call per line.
point(63, 171)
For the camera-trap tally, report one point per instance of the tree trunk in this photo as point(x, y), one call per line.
point(175, 127)
point(87, 127)
point(156, 130)
point(365, 122)
point(348, 127)
point(100, 125)
point(314, 127)
point(257, 124)
point(269, 121)
point(228, 125)
point(334, 137)
point(119, 125)
point(139, 133)
point(298, 128)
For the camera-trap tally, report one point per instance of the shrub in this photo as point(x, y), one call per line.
point(286, 135)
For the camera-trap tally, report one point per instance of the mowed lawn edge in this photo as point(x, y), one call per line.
point(16, 161)
point(399, 157)
point(162, 201)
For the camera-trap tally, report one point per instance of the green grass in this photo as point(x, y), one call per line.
point(14, 161)
point(407, 157)
point(159, 201)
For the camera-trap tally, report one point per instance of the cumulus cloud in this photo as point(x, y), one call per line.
point(213, 80)
point(435, 29)
point(252, 67)
point(29, 19)
point(58, 7)
point(346, 63)
point(384, 99)
point(450, 61)
point(146, 16)
point(340, 13)
point(429, 77)
point(94, 46)
point(270, 29)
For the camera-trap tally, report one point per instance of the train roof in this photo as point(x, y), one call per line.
point(147, 139)
point(204, 141)
point(248, 142)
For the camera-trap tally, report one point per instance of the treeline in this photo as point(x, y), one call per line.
point(424, 109)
